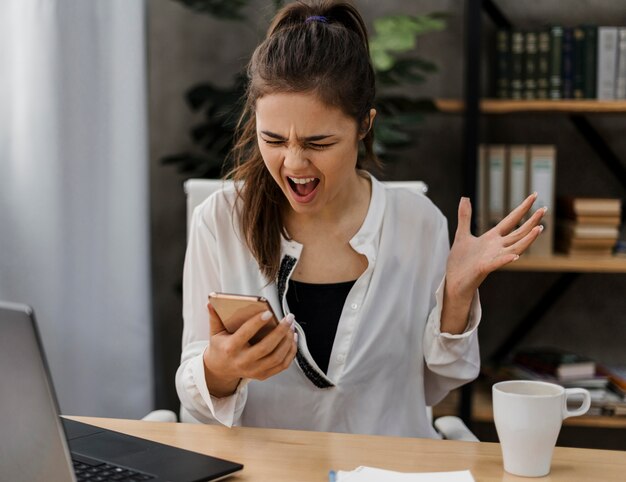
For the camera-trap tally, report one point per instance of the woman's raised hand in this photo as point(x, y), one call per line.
point(472, 258)
point(230, 357)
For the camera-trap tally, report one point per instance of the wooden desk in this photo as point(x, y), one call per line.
point(294, 456)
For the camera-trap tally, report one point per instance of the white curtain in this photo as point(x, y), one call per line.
point(74, 213)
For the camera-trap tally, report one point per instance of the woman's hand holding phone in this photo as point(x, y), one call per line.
point(231, 357)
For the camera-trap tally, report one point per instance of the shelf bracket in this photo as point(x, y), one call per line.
point(496, 15)
point(534, 315)
point(599, 145)
point(472, 97)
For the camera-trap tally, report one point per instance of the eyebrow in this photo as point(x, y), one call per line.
point(306, 139)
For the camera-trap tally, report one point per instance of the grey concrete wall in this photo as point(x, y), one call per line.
point(186, 48)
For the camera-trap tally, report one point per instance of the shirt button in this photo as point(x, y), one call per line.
point(354, 306)
point(341, 358)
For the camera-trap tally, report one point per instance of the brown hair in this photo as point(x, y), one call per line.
point(327, 56)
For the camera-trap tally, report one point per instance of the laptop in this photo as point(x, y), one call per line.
point(36, 444)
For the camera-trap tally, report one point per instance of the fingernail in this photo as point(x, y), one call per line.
point(516, 257)
point(291, 319)
point(540, 227)
point(545, 209)
point(266, 315)
point(535, 194)
point(295, 337)
point(465, 199)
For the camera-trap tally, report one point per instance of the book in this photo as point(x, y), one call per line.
point(503, 63)
point(587, 231)
point(543, 64)
point(599, 220)
point(542, 173)
point(590, 243)
point(616, 374)
point(496, 155)
point(590, 252)
point(556, 39)
point(607, 62)
point(517, 166)
point(590, 57)
point(579, 67)
point(530, 65)
point(620, 86)
point(562, 364)
point(517, 65)
point(567, 64)
point(572, 206)
point(482, 189)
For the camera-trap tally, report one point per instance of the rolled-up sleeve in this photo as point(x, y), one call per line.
point(201, 275)
point(450, 360)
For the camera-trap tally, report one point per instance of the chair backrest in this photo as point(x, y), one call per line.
point(197, 190)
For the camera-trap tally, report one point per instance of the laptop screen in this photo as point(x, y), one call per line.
point(32, 445)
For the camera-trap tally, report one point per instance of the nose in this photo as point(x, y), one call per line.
point(295, 158)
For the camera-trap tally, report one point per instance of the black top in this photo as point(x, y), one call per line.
point(317, 308)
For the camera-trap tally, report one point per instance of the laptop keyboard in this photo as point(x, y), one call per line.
point(102, 472)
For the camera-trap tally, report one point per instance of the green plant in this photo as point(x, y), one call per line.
point(398, 71)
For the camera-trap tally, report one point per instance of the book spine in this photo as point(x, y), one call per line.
point(482, 188)
point(620, 88)
point(591, 60)
point(530, 65)
point(567, 64)
point(503, 64)
point(517, 64)
point(607, 62)
point(497, 184)
point(579, 62)
point(543, 64)
point(556, 41)
point(518, 175)
point(542, 166)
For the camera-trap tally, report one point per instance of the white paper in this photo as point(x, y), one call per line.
point(370, 474)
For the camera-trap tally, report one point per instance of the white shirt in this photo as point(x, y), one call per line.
point(389, 358)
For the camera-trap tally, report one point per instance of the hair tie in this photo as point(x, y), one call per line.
point(316, 18)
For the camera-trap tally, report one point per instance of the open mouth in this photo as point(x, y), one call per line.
point(303, 188)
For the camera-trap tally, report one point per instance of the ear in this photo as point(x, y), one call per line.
point(367, 124)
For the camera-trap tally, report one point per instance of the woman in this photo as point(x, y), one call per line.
point(387, 313)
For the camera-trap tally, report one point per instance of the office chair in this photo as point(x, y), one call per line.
point(197, 190)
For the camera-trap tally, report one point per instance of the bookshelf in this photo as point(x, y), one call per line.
point(505, 106)
point(473, 402)
point(565, 263)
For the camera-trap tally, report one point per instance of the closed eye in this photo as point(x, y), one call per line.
point(320, 146)
point(273, 143)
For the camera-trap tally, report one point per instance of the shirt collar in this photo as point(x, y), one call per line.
point(365, 241)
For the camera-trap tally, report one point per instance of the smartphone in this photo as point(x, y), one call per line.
point(234, 310)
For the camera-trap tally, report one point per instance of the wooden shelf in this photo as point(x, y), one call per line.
point(482, 410)
point(563, 262)
point(505, 106)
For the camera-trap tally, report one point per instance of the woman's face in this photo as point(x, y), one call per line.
point(310, 150)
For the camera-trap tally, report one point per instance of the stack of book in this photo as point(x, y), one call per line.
point(588, 226)
point(507, 174)
point(570, 370)
point(617, 384)
point(583, 62)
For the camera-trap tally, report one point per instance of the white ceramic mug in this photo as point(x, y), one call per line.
point(528, 417)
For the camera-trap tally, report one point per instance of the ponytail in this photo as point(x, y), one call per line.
point(318, 47)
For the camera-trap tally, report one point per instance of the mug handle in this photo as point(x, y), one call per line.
point(583, 408)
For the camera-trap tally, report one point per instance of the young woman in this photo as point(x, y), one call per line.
point(386, 312)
